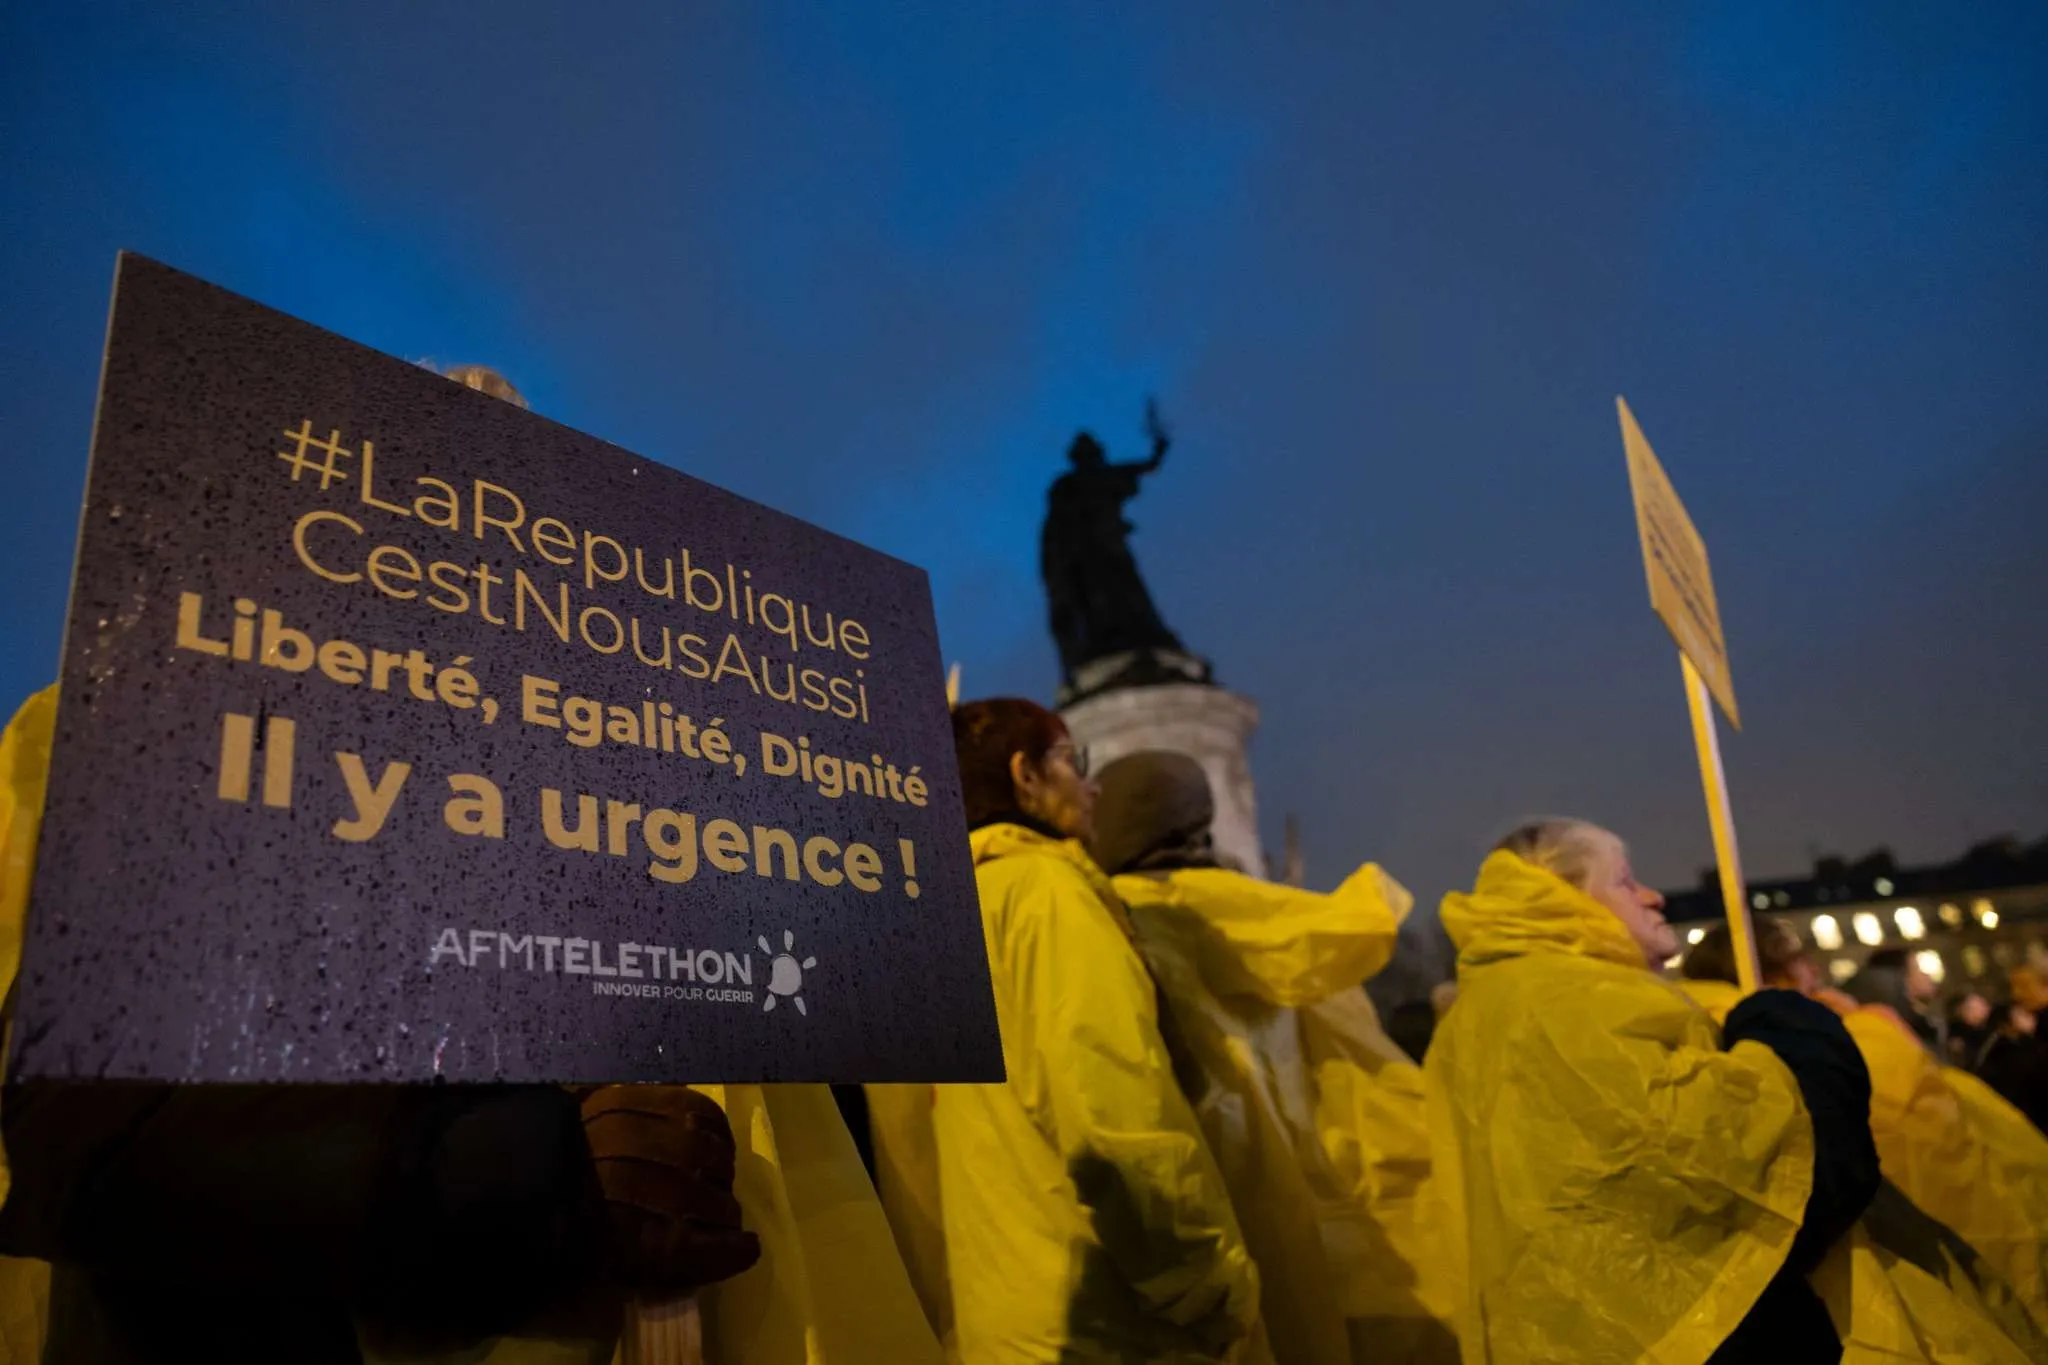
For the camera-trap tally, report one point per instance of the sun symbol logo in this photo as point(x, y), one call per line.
point(785, 973)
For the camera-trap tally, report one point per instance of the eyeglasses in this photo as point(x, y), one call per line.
point(1075, 754)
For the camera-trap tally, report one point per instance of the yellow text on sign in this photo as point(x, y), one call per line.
point(1681, 584)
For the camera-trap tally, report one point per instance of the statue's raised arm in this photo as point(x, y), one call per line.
point(1156, 432)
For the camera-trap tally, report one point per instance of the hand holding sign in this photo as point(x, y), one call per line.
point(664, 1157)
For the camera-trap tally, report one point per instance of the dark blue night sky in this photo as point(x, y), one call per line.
point(1386, 271)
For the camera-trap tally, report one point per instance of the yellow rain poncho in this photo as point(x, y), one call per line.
point(1960, 1152)
point(1372, 1122)
point(907, 1179)
point(24, 772)
point(1976, 1165)
point(1617, 1188)
point(1918, 1304)
point(1085, 1219)
point(1301, 1108)
point(829, 1288)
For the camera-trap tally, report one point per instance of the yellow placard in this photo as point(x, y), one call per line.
point(1681, 584)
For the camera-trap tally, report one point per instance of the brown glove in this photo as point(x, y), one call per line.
point(664, 1156)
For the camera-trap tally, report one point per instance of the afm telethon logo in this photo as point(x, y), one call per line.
point(785, 974)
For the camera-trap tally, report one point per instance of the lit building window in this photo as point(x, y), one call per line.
point(1883, 886)
point(1907, 917)
point(1931, 963)
point(1986, 916)
point(1841, 969)
point(1760, 901)
point(1695, 935)
point(1869, 929)
point(1973, 959)
point(1951, 914)
point(1827, 935)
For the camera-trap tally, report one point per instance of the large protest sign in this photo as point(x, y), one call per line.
point(404, 734)
point(1674, 556)
point(1682, 594)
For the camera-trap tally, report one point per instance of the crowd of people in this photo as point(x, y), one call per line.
point(1206, 1147)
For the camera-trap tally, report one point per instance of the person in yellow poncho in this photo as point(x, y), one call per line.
point(1619, 1187)
point(1084, 1218)
point(1628, 1183)
point(1263, 984)
point(24, 770)
point(1954, 1147)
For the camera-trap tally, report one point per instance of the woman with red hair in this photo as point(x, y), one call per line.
point(1084, 1216)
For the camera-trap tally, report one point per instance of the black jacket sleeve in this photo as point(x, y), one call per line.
point(1789, 1323)
point(1809, 1038)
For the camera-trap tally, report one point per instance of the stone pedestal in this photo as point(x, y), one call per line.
point(1208, 724)
point(1147, 667)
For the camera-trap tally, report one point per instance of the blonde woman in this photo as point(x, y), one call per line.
point(1625, 1181)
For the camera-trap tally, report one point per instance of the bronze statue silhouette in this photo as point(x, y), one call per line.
point(1099, 605)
